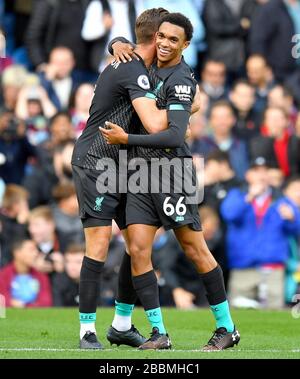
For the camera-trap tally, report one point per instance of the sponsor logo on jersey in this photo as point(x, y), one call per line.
point(183, 92)
point(143, 82)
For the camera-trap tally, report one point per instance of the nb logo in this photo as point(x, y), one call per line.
point(296, 308)
point(235, 336)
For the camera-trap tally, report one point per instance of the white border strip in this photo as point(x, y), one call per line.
point(158, 351)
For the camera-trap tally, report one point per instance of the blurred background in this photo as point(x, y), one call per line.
point(246, 57)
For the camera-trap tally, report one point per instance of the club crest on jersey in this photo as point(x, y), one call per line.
point(143, 82)
point(98, 203)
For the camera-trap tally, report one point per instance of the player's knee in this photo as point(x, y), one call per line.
point(194, 252)
point(137, 250)
point(139, 255)
point(97, 250)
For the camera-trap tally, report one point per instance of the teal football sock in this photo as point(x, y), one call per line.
point(222, 316)
point(155, 318)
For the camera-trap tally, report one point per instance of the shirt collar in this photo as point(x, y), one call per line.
point(164, 72)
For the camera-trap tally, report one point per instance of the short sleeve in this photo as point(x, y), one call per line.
point(180, 92)
point(136, 80)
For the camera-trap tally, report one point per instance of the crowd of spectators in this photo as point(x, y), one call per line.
point(246, 57)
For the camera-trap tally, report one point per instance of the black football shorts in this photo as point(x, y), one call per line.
point(167, 207)
point(97, 208)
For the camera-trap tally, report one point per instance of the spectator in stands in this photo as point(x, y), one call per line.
point(213, 81)
point(80, 106)
point(252, 226)
point(44, 178)
point(260, 76)
point(57, 77)
point(2, 190)
point(281, 231)
point(15, 148)
point(57, 23)
point(276, 177)
point(273, 27)
point(297, 126)
point(22, 285)
point(225, 33)
point(222, 121)
point(276, 144)
point(242, 97)
point(13, 219)
point(5, 59)
point(34, 107)
point(13, 79)
point(198, 121)
point(103, 21)
point(280, 96)
point(293, 83)
point(219, 178)
point(61, 132)
point(65, 213)
point(248, 12)
point(65, 285)
point(42, 231)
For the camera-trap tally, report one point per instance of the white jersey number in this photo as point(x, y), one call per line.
point(169, 209)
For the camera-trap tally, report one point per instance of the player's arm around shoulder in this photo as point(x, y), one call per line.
point(143, 100)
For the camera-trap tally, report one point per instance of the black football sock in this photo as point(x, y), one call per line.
point(126, 292)
point(147, 290)
point(89, 289)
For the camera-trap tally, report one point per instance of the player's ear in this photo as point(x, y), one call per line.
point(185, 45)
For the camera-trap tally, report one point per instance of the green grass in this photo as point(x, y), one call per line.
point(53, 333)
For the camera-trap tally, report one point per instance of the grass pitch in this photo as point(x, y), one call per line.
point(53, 333)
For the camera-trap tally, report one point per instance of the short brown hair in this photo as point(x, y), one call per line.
point(221, 104)
point(63, 191)
point(275, 107)
point(43, 212)
point(147, 24)
point(19, 243)
point(75, 248)
point(13, 193)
